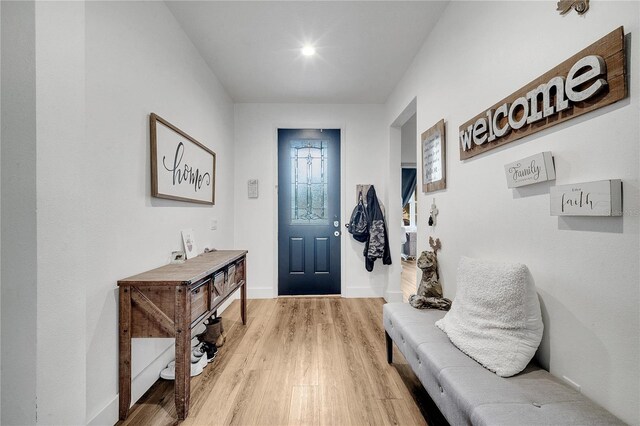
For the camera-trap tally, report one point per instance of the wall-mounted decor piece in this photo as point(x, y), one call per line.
point(600, 198)
point(181, 167)
point(591, 79)
point(434, 144)
point(580, 6)
point(361, 191)
point(433, 212)
point(530, 170)
point(190, 248)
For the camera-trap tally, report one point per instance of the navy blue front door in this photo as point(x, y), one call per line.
point(309, 211)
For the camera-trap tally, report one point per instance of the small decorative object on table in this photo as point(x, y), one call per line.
point(190, 247)
point(178, 257)
point(429, 294)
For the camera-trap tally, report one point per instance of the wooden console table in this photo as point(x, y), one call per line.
point(168, 302)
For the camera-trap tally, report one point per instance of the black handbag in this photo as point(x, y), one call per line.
point(358, 225)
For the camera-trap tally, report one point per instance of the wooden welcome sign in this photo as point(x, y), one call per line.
point(593, 78)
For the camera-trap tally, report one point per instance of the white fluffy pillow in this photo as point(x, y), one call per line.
point(495, 317)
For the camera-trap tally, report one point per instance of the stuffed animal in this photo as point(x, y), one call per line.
point(429, 295)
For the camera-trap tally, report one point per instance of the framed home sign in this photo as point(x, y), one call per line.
point(181, 167)
point(433, 158)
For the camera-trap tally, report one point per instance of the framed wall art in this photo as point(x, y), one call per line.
point(181, 167)
point(434, 145)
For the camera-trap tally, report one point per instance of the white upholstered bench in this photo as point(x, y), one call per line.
point(467, 393)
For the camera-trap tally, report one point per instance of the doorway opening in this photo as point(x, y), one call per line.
point(309, 212)
point(406, 142)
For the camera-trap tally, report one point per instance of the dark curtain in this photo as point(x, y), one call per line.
point(408, 184)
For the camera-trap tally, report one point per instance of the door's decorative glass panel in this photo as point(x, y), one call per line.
point(309, 182)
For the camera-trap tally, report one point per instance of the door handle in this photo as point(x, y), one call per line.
point(336, 233)
point(336, 224)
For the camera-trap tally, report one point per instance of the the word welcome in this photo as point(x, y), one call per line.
point(590, 79)
point(582, 82)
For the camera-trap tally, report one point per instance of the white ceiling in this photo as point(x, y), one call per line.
point(253, 47)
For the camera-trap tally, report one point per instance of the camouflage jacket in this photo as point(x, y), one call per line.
point(377, 246)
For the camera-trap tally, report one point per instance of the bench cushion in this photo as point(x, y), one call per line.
point(467, 393)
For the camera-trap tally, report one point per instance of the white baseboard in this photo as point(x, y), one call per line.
point(227, 302)
point(362, 292)
point(139, 385)
point(393, 296)
point(108, 416)
point(260, 293)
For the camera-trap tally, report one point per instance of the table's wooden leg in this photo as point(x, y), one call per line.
point(183, 355)
point(243, 303)
point(125, 352)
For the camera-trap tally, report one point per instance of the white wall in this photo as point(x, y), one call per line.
point(140, 61)
point(19, 257)
point(0, 216)
point(44, 127)
point(408, 141)
point(77, 211)
point(61, 204)
point(363, 139)
point(586, 269)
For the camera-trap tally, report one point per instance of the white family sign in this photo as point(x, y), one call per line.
point(530, 170)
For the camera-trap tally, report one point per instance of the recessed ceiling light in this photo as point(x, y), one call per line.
point(308, 50)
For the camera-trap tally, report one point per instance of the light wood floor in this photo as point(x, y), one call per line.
point(409, 278)
point(298, 361)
